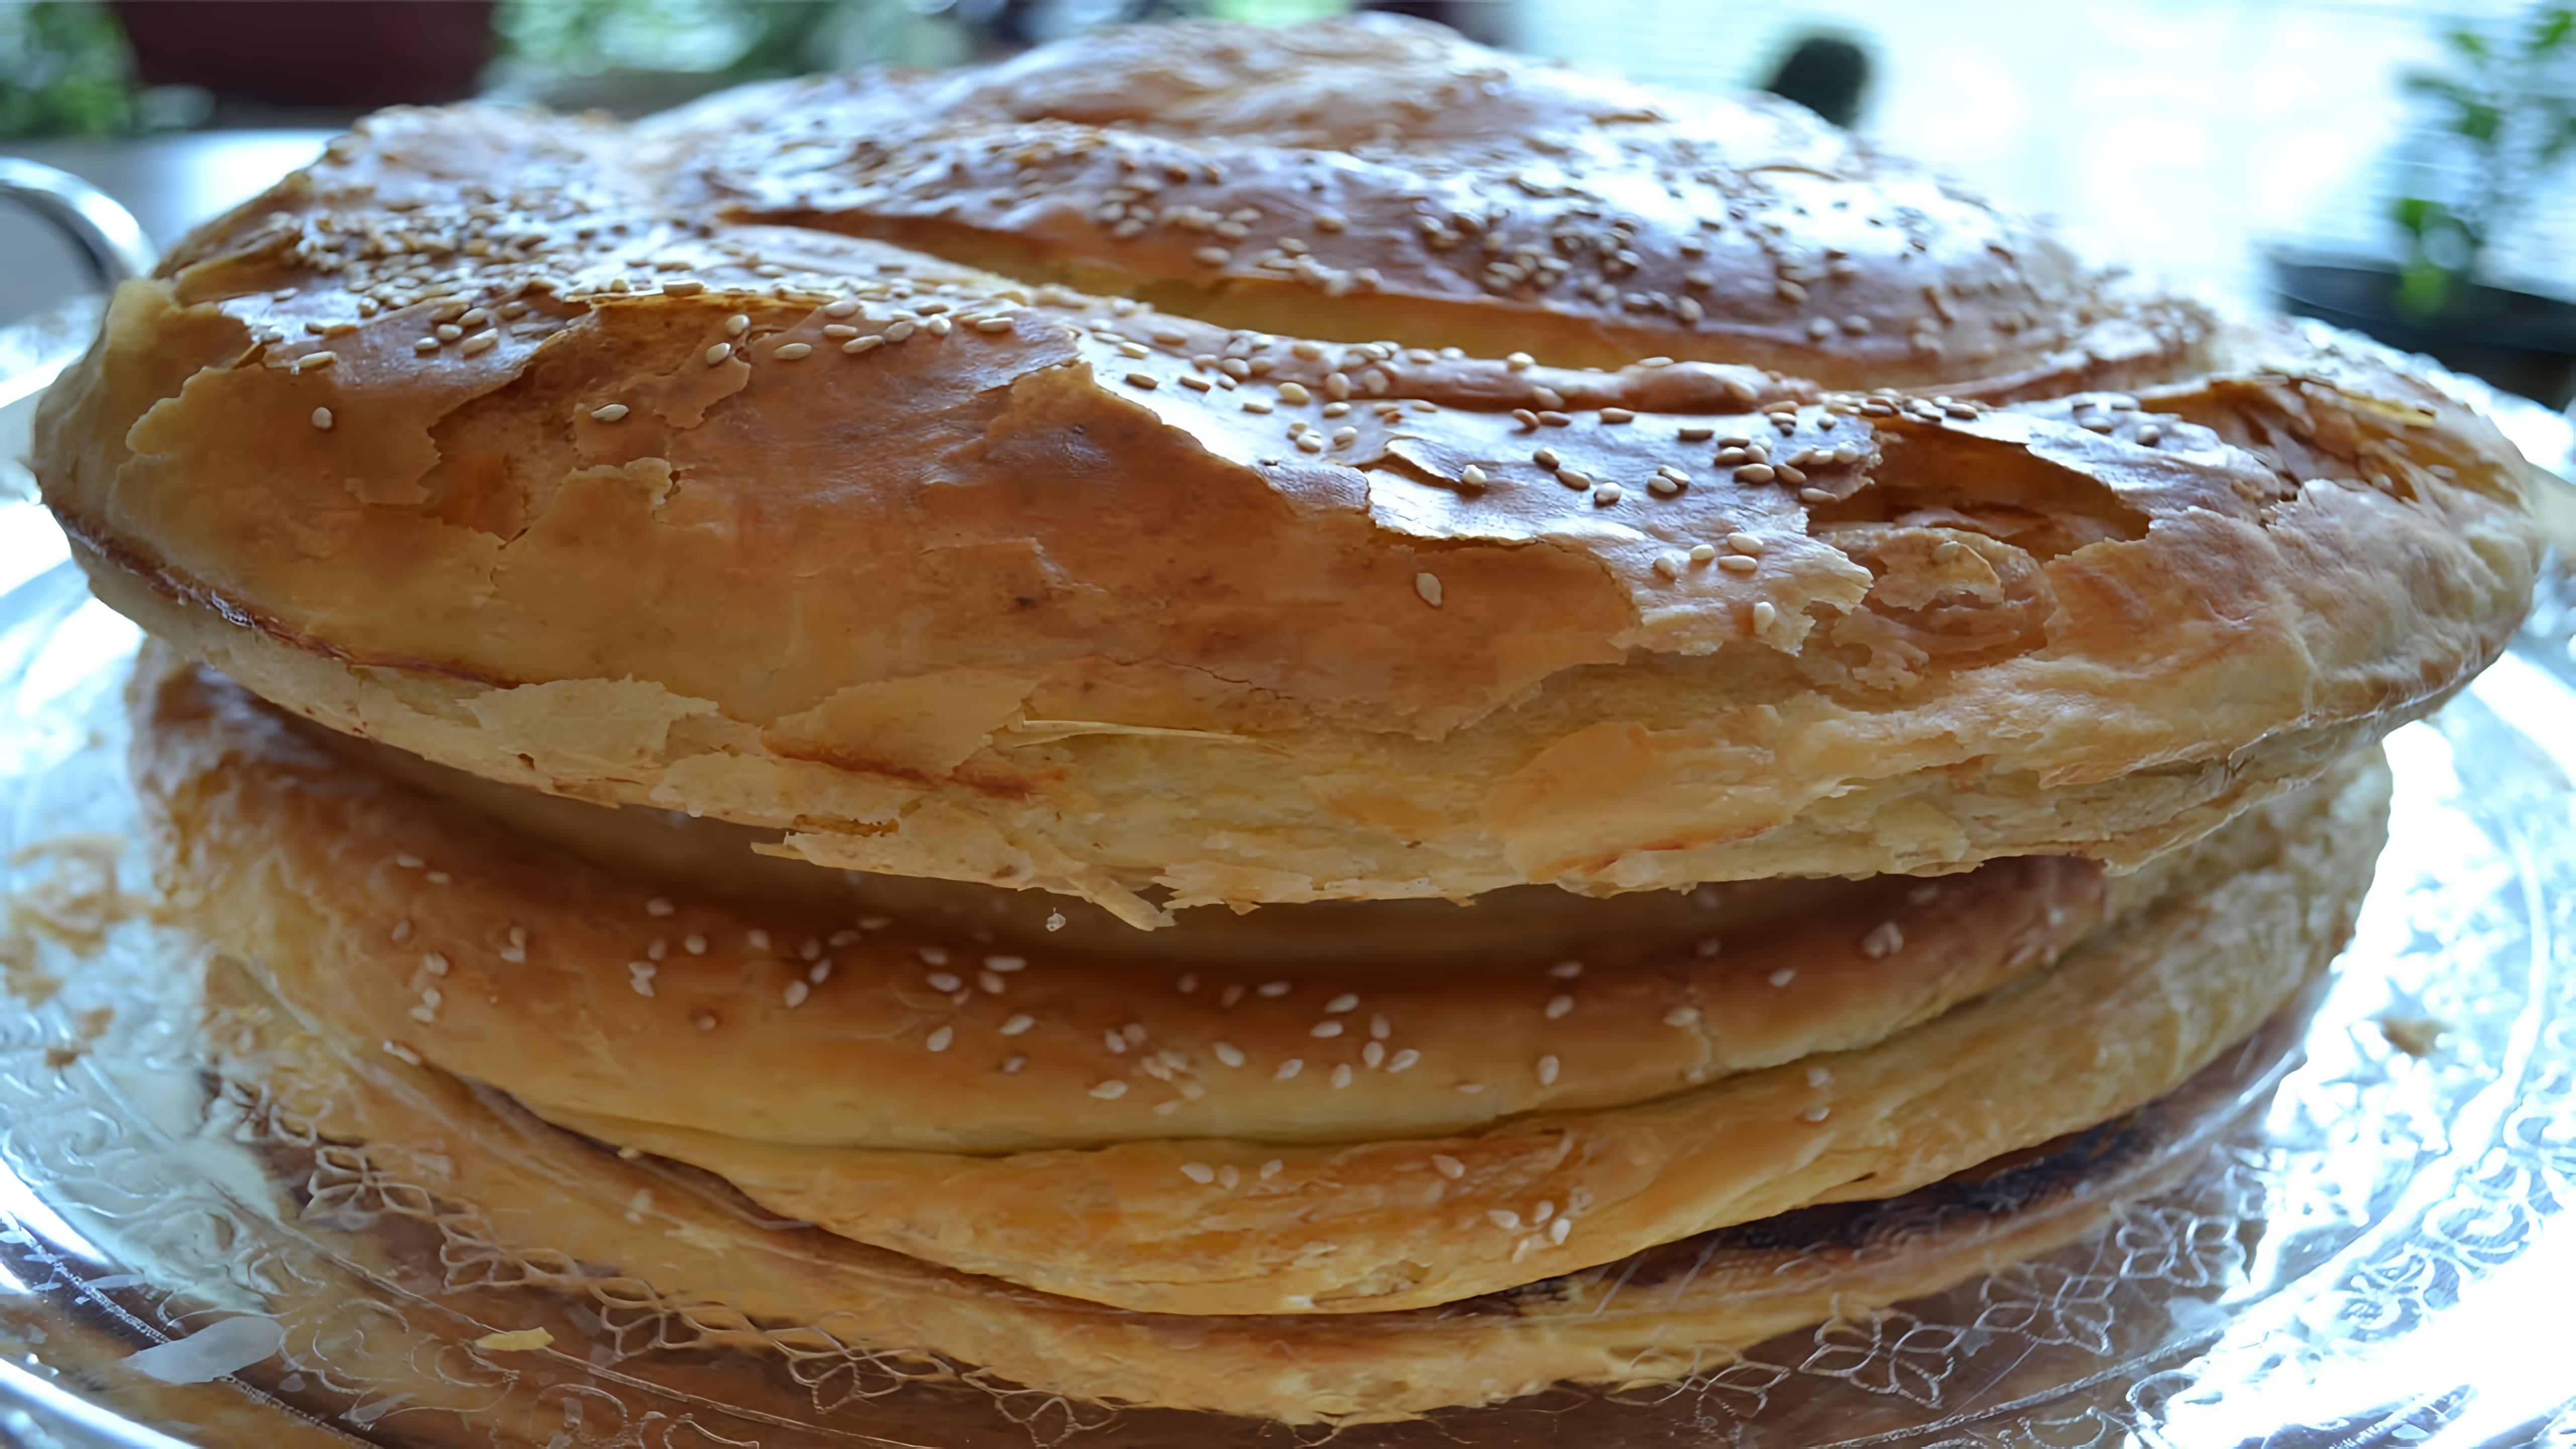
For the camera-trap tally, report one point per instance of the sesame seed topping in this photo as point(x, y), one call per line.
point(716, 354)
point(1014, 1062)
point(659, 906)
point(612, 413)
point(938, 1040)
point(1275, 988)
point(1783, 976)
point(736, 325)
point(1227, 1052)
point(1198, 1172)
point(1294, 393)
point(1547, 1069)
point(895, 332)
point(315, 361)
point(1144, 380)
point(1342, 1075)
point(1558, 1006)
point(1403, 1060)
point(1447, 1166)
point(703, 1020)
point(1884, 939)
point(1428, 586)
point(1745, 543)
point(790, 352)
point(1556, 1231)
point(434, 963)
point(1271, 1168)
point(322, 419)
point(1325, 1029)
point(1814, 495)
point(1736, 563)
point(1018, 1022)
point(1504, 1218)
point(1606, 494)
point(1343, 1002)
point(687, 288)
point(1547, 398)
point(1287, 1069)
point(1669, 565)
point(942, 981)
point(1682, 1016)
point(1109, 1091)
point(1818, 1077)
point(1702, 552)
point(1472, 476)
point(1817, 1113)
point(1617, 415)
point(857, 345)
point(1696, 434)
point(797, 991)
point(758, 938)
point(1755, 473)
point(476, 345)
point(1764, 614)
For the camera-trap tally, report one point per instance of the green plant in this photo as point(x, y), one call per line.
point(2509, 120)
point(64, 71)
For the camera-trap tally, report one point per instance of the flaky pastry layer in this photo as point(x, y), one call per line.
point(550, 1219)
point(608, 462)
point(1577, 1160)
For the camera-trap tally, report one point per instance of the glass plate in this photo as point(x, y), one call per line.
point(2374, 1245)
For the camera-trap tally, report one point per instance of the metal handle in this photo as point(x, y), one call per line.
point(110, 240)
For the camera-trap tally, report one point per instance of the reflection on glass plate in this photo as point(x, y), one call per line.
point(2374, 1248)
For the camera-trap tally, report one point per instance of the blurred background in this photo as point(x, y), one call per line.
point(2403, 167)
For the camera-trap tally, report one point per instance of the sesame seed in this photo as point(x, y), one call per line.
point(1558, 1006)
point(1745, 543)
point(1009, 963)
point(1275, 988)
point(424, 345)
point(1342, 1075)
point(1227, 1052)
point(1403, 1059)
point(1884, 939)
point(1343, 1002)
point(1617, 415)
point(1818, 1077)
point(1764, 614)
point(938, 326)
point(322, 419)
point(659, 906)
point(1379, 1028)
point(1447, 1166)
point(1294, 393)
point(1702, 552)
point(434, 963)
point(1115, 1041)
point(612, 413)
point(1547, 398)
point(402, 931)
point(1682, 1016)
point(1374, 1053)
point(1783, 976)
point(1669, 565)
point(1014, 1062)
point(479, 343)
point(1428, 586)
point(942, 981)
point(736, 325)
point(1271, 1168)
point(1018, 1022)
point(718, 353)
point(1555, 419)
point(1109, 1091)
point(687, 288)
point(1755, 473)
point(938, 1040)
point(1547, 1069)
point(1472, 476)
point(895, 331)
point(793, 350)
point(932, 955)
point(1557, 1230)
point(758, 938)
point(703, 1020)
point(1287, 1069)
point(1606, 494)
point(797, 991)
point(1736, 563)
point(1198, 1172)
point(1142, 380)
point(857, 345)
point(403, 1053)
point(1504, 1218)
point(315, 361)
point(1520, 361)
point(1817, 1113)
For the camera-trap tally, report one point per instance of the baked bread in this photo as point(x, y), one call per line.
point(1042, 589)
point(1343, 1140)
point(461, 1193)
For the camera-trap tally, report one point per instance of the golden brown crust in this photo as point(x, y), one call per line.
point(553, 1218)
point(1232, 1200)
point(415, 919)
point(1030, 599)
point(1380, 179)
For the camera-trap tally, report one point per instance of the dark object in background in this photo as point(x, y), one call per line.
point(356, 54)
point(1827, 75)
point(1479, 20)
point(2519, 342)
